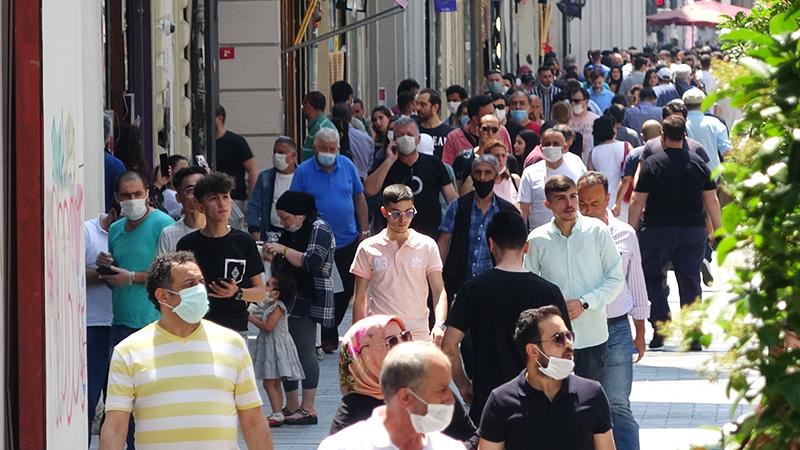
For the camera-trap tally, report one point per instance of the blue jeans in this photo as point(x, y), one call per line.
point(590, 362)
point(118, 334)
point(617, 381)
point(98, 355)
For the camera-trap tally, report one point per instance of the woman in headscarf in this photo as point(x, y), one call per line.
point(361, 355)
point(304, 252)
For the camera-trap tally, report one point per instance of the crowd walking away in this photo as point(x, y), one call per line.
point(501, 254)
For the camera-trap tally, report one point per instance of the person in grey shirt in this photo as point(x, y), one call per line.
point(640, 65)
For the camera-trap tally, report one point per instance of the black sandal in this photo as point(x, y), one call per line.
point(305, 419)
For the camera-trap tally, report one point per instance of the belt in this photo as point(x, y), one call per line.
point(617, 319)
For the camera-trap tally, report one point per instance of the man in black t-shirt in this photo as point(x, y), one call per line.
point(424, 174)
point(675, 190)
point(235, 158)
point(429, 105)
point(488, 307)
point(228, 257)
point(546, 407)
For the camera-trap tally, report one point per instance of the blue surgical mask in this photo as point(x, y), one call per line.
point(519, 115)
point(326, 159)
point(193, 305)
point(464, 120)
point(496, 87)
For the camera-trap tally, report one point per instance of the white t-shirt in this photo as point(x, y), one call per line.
point(171, 235)
point(370, 434)
point(98, 296)
point(531, 188)
point(608, 159)
point(282, 183)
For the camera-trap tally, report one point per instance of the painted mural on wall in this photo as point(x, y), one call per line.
point(63, 62)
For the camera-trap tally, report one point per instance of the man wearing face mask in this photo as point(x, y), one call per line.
point(546, 407)
point(494, 82)
point(415, 379)
point(424, 174)
point(462, 242)
point(557, 161)
point(468, 136)
point(455, 95)
point(182, 346)
point(272, 183)
point(582, 119)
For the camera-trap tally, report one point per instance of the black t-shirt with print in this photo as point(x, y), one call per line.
point(233, 256)
point(439, 135)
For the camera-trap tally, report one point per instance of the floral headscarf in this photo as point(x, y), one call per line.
point(361, 355)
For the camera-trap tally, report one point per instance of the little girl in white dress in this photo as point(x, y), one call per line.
point(274, 354)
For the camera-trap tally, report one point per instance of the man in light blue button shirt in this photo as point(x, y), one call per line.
point(578, 254)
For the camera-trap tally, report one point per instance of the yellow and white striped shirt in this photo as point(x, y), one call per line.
point(183, 392)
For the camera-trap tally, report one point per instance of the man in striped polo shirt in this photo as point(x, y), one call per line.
point(185, 380)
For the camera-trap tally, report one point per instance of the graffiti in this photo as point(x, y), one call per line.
point(65, 298)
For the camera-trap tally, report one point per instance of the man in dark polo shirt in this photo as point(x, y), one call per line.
point(675, 190)
point(512, 289)
point(546, 407)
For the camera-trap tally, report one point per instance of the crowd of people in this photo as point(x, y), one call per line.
point(520, 237)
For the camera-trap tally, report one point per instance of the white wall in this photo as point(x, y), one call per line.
point(605, 24)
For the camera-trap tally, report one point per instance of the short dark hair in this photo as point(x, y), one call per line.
point(543, 69)
point(159, 275)
point(556, 183)
point(499, 96)
point(508, 231)
point(705, 61)
point(396, 193)
point(341, 91)
point(129, 176)
point(404, 99)
point(358, 100)
point(456, 89)
point(407, 85)
point(220, 112)
point(674, 128)
point(639, 62)
point(172, 160)
point(620, 100)
point(288, 141)
point(616, 112)
point(673, 108)
point(433, 96)
point(493, 72)
point(343, 111)
point(594, 178)
point(475, 103)
point(527, 329)
point(595, 75)
point(213, 183)
point(647, 93)
point(177, 178)
point(316, 99)
point(602, 129)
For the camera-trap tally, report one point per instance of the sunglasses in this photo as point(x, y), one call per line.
point(490, 129)
point(575, 100)
point(560, 338)
point(405, 336)
point(396, 215)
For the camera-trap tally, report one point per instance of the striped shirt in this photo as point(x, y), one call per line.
point(633, 298)
point(183, 392)
point(547, 97)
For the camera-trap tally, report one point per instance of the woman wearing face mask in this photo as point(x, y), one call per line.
point(500, 102)
point(304, 252)
point(361, 356)
point(262, 217)
point(506, 183)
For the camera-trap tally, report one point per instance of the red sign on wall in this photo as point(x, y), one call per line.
point(227, 53)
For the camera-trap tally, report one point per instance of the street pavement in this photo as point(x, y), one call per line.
point(675, 405)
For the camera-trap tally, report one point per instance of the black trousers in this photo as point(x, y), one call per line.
point(344, 258)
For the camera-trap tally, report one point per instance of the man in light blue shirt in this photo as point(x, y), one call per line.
point(599, 92)
point(578, 254)
point(707, 130)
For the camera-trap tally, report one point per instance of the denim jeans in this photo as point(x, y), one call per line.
point(590, 362)
point(98, 355)
point(617, 381)
point(118, 334)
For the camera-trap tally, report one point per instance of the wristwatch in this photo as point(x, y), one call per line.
point(441, 326)
point(239, 295)
point(584, 304)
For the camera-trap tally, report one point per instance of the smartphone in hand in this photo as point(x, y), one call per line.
point(163, 164)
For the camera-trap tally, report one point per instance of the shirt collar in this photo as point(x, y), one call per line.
point(319, 166)
point(524, 389)
point(411, 241)
point(491, 208)
point(577, 227)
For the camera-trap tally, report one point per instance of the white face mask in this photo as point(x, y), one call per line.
point(279, 161)
point(453, 107)
point(552, 154)
point(437, 418)
point(557, 368)
point(500, 114)
point(406, 145)
point(134, 209)
point(578, 109)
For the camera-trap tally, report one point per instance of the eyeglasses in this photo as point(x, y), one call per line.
point(560, 338)
point(500, 106)
point(490, 129)
point(575, 100)
point(391, 341)
point(409, 213)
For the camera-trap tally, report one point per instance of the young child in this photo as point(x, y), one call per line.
point(274, 354)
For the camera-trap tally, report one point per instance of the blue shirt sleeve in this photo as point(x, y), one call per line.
point(254, 205)
point(449, 221)
point(297, 180)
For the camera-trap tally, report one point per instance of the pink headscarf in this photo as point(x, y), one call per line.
point(361, 355)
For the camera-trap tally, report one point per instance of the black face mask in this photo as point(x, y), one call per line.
point(483, 188)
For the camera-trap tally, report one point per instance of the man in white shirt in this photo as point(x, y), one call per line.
point(557, 161)
point(415, 380)
point(594, 198)
point(193, 219)
point(578, 255)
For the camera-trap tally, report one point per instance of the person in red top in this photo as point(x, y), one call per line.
point(467, 137)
